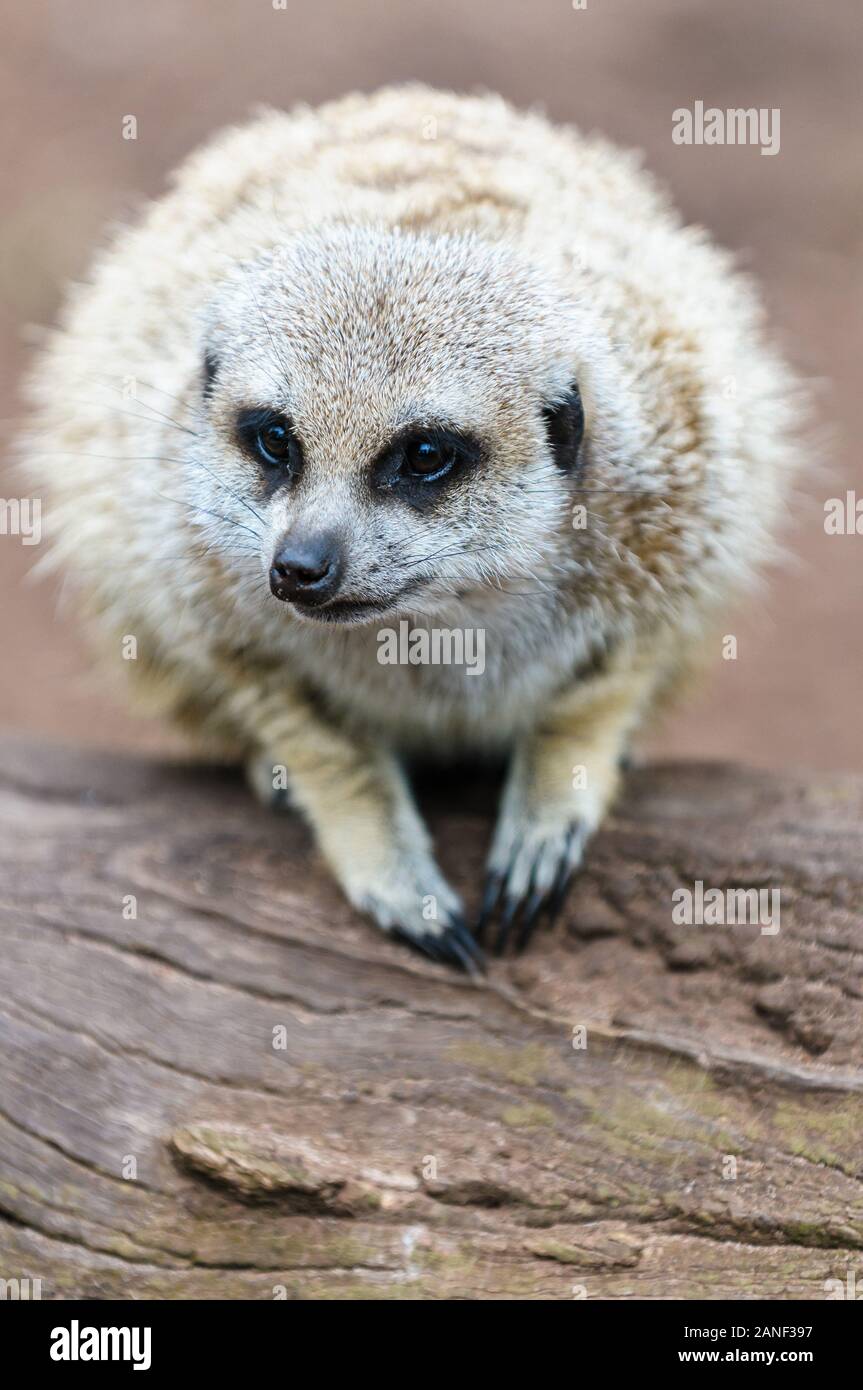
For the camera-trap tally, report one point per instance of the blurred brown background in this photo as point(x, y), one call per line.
point(71, 70)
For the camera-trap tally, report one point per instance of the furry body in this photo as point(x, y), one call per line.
point(415, 256)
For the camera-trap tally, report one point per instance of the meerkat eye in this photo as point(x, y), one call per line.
point(429, 458)
point(421, 462)
point(270, 437)
point(274, 442)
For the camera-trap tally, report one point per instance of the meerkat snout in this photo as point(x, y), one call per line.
point(307, 570)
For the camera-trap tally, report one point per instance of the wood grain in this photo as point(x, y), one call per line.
point(311, 1112)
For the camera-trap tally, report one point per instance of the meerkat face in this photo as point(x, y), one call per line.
point(403, 415)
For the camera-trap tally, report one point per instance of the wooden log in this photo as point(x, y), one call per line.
point(218, 1081)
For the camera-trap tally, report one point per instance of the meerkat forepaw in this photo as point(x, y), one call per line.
point(421, 910)
point(530, 870)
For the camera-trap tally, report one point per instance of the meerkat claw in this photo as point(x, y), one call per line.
point(454, 946)
point(493, 885)
point(536, 905)
point(531, 888)
point(465, 951)
point(511, 908)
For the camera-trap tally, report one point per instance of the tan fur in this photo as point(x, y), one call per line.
point(414, 255)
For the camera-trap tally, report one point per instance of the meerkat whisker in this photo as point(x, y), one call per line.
point(134, 415)
point(185, 401)
point(219, 516)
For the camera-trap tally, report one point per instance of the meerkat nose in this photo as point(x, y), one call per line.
point(307, 570)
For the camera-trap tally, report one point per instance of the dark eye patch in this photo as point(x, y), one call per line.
point(268, 436)
point(564, 424)
point(421, 463)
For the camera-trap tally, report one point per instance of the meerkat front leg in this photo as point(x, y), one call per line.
point(355, 795)
point(562, 778)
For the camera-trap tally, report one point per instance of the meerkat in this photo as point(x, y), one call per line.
point(413, 357)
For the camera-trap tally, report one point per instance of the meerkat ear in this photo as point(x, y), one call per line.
point(211, 366)
point(564, 423)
